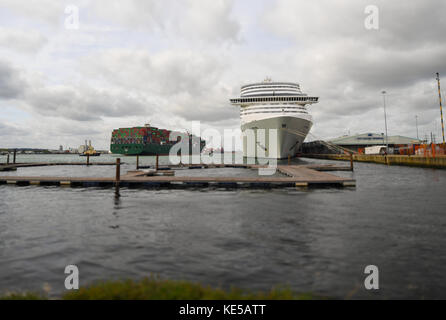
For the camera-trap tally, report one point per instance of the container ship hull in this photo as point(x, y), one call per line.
point(149, 140)
point(145, 150)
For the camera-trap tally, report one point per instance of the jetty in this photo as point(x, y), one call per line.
point(164, 177)
point(14, 166)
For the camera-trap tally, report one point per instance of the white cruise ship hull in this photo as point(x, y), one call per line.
point(286, 138)
point(274, 118)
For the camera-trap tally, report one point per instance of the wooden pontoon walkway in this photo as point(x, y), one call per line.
point(14, 166)
point(294, 176)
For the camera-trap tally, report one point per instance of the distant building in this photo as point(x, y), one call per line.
point(60, 148)
point(372, 139)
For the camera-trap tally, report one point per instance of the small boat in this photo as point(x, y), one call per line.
point(91, 154)
point(89, 151)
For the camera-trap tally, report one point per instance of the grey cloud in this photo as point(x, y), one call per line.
point(9, 130)
point(197, 20)
point(85, 104)
point(81, 103)
point(50, 132)
point(207, 111)
point(334, 45)
point(408, 25)
point(196, 63)
point(184, 83)
point(165, 73)
point(208, 21)
point(12, 85)
point(402, 25)
point(332, 53)
point(397, 69)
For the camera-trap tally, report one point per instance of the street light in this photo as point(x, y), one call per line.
point(385, 119)
point(416, 123)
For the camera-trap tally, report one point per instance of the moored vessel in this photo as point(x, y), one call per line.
point(278, 111)
point(148, 140)
point(89, 151)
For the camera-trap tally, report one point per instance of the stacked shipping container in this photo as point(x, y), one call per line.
point(143, 140)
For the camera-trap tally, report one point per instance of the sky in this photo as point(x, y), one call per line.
point(75, 70)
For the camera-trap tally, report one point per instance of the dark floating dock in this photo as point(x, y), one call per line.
point(294, 176)
point(14, 166)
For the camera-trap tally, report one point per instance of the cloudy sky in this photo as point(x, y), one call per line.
point(171, 62)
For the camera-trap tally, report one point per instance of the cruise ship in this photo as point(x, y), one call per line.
point(274, 105)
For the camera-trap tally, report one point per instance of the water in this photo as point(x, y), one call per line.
point(319, 240)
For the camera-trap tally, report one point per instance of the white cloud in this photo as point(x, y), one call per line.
point(21, 40)
point(47, 11)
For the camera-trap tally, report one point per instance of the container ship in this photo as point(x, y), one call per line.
point(148, 140)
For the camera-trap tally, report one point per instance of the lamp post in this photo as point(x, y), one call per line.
point(385, 120)
point(416, 123)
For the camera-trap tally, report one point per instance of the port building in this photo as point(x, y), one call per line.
point(359, 142)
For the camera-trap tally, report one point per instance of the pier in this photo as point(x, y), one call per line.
point(163, 177)
point(14, 166)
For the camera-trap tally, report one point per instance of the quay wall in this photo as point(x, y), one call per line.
point(402, 160)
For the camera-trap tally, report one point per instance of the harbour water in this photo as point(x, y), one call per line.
point(315, 240)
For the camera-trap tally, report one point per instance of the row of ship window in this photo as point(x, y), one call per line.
point(269, 90)
point(280, 99)
point(273, 108)
point(245, 113)
point(268, 87)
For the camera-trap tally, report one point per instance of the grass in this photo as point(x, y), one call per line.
point(23, 296)
point(156, 289)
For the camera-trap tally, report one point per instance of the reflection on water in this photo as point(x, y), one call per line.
point(316, 240)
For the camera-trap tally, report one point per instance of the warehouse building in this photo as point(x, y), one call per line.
point(359, 142)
